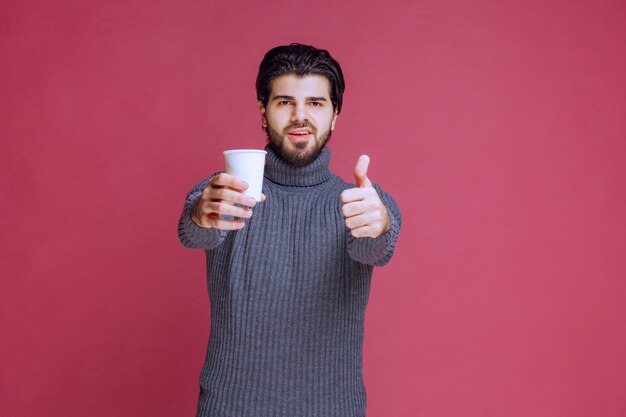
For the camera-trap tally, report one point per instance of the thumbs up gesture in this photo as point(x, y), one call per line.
point(366, 215)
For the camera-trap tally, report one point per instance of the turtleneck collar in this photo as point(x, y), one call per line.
point(282, 172)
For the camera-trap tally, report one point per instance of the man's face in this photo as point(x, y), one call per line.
point(299, 116)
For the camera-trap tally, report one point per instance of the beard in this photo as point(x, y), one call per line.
point(304, 152)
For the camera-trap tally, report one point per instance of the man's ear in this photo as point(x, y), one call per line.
point(332, 123)
point(263, 116)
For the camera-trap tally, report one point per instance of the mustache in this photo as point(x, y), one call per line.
point(302, 125)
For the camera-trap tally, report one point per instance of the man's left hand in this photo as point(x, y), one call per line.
point(366, 215)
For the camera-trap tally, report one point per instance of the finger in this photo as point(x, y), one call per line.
point(215, 221)
point(364, 231)
point(263, 197)
point(220, 207)
point(355, 208)
point(231, 196)
point(358, 221)
point(360, 171)
point(356, 194)
point(227, 180)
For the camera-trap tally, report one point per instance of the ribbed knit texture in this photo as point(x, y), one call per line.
point(288, 295)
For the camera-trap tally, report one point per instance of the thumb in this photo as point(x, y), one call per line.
point(360, 172)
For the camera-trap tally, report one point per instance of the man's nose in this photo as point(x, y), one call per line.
point(299, 113)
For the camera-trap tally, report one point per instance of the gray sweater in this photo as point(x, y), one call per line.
point(288, 294)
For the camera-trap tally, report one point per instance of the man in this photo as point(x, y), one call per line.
point(289, 277)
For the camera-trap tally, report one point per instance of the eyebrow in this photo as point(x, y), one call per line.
point(292, 98)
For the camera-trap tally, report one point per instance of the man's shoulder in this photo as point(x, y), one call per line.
point(340, 183)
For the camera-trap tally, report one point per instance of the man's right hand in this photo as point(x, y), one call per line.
point(220, 195)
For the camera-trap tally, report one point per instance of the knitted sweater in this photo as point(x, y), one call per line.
point(288, 294)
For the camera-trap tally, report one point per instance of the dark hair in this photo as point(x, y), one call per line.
point(300, 60)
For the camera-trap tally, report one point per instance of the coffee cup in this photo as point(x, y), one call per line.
point(247, 165)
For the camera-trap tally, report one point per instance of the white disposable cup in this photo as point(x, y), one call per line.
point(247, 165)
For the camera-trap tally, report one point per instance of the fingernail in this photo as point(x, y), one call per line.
point(251, 202)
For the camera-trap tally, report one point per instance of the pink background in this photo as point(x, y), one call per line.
point(499, 127)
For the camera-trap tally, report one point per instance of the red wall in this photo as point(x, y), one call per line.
point(499, 126)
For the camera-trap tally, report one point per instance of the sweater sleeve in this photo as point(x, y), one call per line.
point(190, 234)
point(379, 250)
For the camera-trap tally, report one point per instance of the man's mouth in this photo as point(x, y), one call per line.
point(298, 135)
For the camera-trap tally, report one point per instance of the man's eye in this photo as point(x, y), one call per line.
point(316, 103)
point(284, 103)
